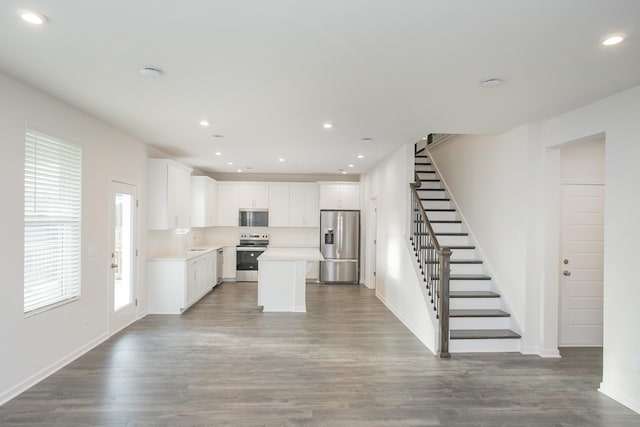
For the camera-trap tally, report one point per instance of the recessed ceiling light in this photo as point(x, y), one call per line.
point(361, 156)
point(31, 17)
point(218, 153)
point(204, 123)
point(344, 172)
point(350, 165)
point(327, 125)
point(230, 163)
point(612, 39)
point(281, 159)
point(239, 170)
point(151, 71)
point(490, 83)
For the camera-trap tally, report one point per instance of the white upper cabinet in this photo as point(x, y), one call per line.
point(169, 195)
point(228, 204)
point(279, 205)
point(303, 205)
point(343, 195)
point(204, 201)
point(252, 195)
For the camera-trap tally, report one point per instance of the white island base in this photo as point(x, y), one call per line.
point(281, 278)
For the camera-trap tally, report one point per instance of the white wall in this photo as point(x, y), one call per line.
point(397, 283)
point(488, 180)
point(36, 346)
point(583, 162)
point(507, 187)
point(618, 117)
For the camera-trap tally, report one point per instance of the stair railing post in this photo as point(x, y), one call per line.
point(443, 283)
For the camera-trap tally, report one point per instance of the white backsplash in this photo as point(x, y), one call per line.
point(163, 243)
point(279, 237)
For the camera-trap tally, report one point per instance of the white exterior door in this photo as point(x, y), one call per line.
point(582, 263)
point(122, 252)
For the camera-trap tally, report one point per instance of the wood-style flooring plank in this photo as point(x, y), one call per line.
point(348, 361)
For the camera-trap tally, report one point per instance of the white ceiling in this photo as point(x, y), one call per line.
point(268, 73)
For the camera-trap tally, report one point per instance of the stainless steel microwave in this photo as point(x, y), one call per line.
point(253, 217)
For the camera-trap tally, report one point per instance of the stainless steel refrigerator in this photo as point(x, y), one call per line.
point(340, 246)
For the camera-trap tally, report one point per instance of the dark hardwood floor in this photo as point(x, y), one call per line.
point(346, 362)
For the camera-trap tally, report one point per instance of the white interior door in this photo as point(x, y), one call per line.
point(582, 263)
point(122, 252)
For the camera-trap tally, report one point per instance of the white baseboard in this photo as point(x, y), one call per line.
point(21, 387)
point(421, 337)
point(542, 352)
point(630, 402)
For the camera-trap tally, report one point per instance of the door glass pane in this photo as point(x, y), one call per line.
point(122, 256)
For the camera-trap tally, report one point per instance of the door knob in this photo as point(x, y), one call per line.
point(566, 273)
point(114, 265)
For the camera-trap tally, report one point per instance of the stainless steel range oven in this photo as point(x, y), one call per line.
point(247, 252)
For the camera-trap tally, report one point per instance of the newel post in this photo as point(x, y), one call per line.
point(445, 270)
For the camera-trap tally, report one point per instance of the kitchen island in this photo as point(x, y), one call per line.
point(281, 278)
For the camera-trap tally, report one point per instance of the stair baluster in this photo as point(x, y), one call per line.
point(434, 262)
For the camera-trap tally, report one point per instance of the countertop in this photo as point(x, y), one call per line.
point(192, 253)
point(291, 254)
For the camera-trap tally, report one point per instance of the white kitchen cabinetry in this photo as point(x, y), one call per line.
point(169, 195)
point(279, 205)
point(204, 201)
point(227, 204)
point(303, 205)
point(252, 195)
point(175, 284)
point(229, 263)
point(344, 195)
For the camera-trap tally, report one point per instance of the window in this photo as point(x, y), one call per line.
point(52, 208)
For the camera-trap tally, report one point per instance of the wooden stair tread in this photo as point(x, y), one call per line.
point(440, 210)
point(466, 277)
point(473, 294)
point(451, 247)
point(430, 189)
point(446, 221)
point(429, 180)
point(470, 334)
point(478, 313)
point(459, 261)
point(442, 234)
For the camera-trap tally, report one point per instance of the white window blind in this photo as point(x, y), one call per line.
point(52, 214)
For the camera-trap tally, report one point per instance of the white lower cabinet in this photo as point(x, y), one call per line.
point(174, 285)
point(229, 263)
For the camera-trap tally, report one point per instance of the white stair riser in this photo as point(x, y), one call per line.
point(447, 228)
point(479, 323)
point(474, 303)
point(442, 216)
point(430, 184)
point(484, 346)
point(436, 204)
point(466, 285)
point(432, 194)
point(466, 269)
point(463, 254)
point(453, 240)
point(423, 168)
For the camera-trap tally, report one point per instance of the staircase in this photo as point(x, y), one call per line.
point(477, 321)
